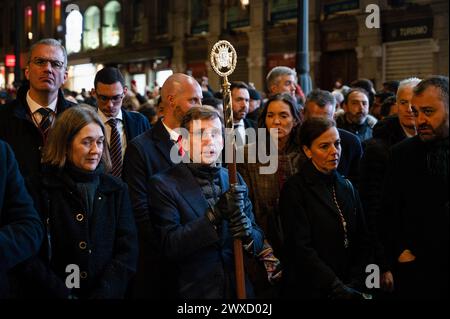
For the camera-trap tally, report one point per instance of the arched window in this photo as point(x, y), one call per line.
point(91, 33)
point(74, 28)
point(111, 21)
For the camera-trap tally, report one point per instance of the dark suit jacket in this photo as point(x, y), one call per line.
point(135, 124)
point(17, 128)
point(350, 156)
point(146, 155)
point(21, 230)
point(415, 216)
point(374, 162)
point(202, 256)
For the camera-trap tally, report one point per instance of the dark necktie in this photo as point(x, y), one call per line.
point(115, 149)
point(239, 140)
point(46, 121)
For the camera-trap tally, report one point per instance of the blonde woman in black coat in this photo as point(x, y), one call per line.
point(326, 247)
point(87, 213)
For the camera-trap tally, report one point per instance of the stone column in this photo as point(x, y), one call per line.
point(314, 42)
point(178, 18)
point(440, 36)
point(369, 50)
point(215, 28)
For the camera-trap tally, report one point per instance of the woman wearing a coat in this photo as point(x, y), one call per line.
point(325, 237)
point(90, 231)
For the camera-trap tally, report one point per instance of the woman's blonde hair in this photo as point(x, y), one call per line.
point(67, 125)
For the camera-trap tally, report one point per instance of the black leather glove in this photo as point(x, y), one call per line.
point(340, 291)
point(240, 226)
point(230, 203)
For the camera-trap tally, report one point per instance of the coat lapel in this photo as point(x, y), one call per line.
point(127, 126)
point(191, 192)
point(162, 140)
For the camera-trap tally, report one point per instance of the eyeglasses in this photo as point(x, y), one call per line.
point(43, 62)
point(115, 98)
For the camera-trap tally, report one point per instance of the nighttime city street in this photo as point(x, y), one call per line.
point(224, 156)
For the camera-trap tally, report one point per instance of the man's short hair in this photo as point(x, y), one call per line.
point(238, 85)
point(254, 94)
point(387, 105)
point(392, 86)
point(408, 82)
point(49, 42)
point(199, 113)
point(355, 89)
point(438, 81)
point(212, 101)
point(365, 84)
point(321, 98)
point(274, 75)
point(109, 75)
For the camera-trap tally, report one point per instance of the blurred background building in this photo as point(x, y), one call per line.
point(148, 40)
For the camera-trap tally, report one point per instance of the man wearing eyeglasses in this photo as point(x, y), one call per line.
point(121, 125)
point(26, 121)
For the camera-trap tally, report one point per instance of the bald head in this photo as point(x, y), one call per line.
point(178, 94)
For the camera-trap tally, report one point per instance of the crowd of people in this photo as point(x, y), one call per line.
point(107, 182)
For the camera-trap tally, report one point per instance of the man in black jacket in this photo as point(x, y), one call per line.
point(21, 230)
point(414, 217)
point(386, 133)
point(197, 213)
point(26, 121)
point(145, 156)
point(356, 118)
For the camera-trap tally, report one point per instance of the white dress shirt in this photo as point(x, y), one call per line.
point(34, 106)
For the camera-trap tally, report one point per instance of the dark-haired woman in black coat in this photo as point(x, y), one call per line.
point(326, 247)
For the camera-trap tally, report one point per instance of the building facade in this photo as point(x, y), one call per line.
point(148, 40)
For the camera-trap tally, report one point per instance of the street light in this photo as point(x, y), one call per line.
point(245, 3)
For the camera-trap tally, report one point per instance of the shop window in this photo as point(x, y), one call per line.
point(111, 22)
point(41, 19)
point(28, 25)
point(199, 16)
point(57, 16)
point(138, 20)
point(74, 27)
point(91, 32)
point(237, 14)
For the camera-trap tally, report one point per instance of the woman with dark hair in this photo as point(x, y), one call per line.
point(325, 237)
point(281, 119)
point(91, 247)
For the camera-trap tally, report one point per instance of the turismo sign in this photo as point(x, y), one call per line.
point(408, 30)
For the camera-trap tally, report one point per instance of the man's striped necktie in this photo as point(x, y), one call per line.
point(115, 149)
point(46, 121)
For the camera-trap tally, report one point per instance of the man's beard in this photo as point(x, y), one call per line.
point(358, 118)
point(439, 133)
point(178, 113)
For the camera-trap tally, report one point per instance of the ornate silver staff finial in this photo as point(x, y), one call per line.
point(223, 61)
